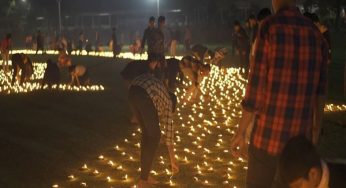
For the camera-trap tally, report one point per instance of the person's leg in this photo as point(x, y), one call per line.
point(146, 113)
point(261, 169)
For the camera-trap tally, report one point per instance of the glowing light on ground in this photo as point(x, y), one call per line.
point(203, 131)
point(123, 55)
point(34, 83)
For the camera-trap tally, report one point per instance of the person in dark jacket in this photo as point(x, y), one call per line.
point(241, 44)
point(51, 74)
point(147, 34)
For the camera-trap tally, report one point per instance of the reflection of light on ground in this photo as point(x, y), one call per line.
point(34, 83)
point(124, 55)
point(203, 132)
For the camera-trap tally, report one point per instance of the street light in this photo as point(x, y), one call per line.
point(59, 9)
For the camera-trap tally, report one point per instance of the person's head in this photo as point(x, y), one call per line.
point(186, 60)
point(71, 69)
point(278, 4)
point(205, 70)
point(263, 14)
point(237, 26)
point(252, 20)
point(152, 22)
point(300, 164)
point(162, 21)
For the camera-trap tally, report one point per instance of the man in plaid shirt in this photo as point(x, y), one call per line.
point(285, 91)
point(153, 107)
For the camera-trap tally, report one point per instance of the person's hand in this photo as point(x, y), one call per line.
point(239, 146)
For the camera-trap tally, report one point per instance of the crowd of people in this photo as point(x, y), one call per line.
point(286, 54)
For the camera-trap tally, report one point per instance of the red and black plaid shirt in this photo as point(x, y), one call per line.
point(287, 74)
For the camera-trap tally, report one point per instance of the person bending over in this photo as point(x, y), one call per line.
point(79, 75)
point(137, 68)
point(21, 62)
point(194, 71)
point(153, 107)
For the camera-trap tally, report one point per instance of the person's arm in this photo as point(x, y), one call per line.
point(253, 95)
point(72, 79)
point(321, 94)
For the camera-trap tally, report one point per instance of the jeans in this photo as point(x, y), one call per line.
point(147, 115)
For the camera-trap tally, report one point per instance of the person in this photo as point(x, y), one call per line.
point(300, 166)
point(136, 68)
point(40, 42)
point(323, 29)
point(187, 39)
point(21, 62)
point(263, 14)
point(241, 44)
point(28, 41)
point(114, 42)
point(175, 39)
point(88, 47)
point(80, 43)
point(147, 35)
point(195, 71)
point(51, 74)
point(63, 59)
point(5, 51)
point(253, 26)
point(200, 52)
point(285, 90)
point(97, 43)
point(153, 107)
point(136, 46)
point(79, 75)
point(157, 46)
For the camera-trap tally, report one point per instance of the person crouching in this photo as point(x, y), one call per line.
point(79, 75)
point(51, 74)
point(21, 62)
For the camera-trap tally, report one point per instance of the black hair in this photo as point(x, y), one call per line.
point(161, 19)
point(174, 101)
point(263, 13)
point(155, 57)
point(297, 158)
point(71, 68)
point(188, 58)
point(152, 19)
point(315, 18)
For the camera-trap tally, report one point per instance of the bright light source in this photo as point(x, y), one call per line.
point(24, 1)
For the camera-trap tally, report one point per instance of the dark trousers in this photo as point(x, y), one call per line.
point(146, 113)
point(262, 170)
